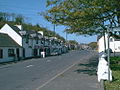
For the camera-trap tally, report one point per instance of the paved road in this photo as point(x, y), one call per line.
point(35, 73)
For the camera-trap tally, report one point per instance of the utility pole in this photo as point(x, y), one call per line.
point(66, 36)
point(54, 27)
point(108, 55)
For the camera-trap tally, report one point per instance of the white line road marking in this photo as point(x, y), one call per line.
point(29, 66)
point(55, 76)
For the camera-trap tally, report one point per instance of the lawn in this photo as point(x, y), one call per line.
point(115, 66)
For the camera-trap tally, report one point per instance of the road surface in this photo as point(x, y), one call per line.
point(34, 74)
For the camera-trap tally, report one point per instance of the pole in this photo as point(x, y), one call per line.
point(43, 43)
point(66, 36)
point(104, 42)
point(54, 28)
point(108, 57)
point(102, 85)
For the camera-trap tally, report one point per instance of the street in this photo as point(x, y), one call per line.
point(34, 74)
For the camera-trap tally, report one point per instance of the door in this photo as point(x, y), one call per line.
point(23, 52)
point(18, 53)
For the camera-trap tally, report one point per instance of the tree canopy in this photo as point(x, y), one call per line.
point(73, 42)
point(84, 16)
point(93, 45)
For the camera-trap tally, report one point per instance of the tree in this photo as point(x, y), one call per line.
point(93, 45)
point(84, 16)
point(73, 42)
point(4, 16)
point(19, 19)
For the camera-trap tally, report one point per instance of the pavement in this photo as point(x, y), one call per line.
point(79, 76)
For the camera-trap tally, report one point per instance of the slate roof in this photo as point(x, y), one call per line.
point(6, 41)
point(15, 28)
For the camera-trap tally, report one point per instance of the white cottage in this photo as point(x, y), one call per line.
point(13, 32)
point(114, 43)
point(22, 39)
point(9, 49)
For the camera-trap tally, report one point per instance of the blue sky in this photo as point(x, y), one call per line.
point(30, 9)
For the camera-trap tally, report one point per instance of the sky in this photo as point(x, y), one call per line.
point(31, 8)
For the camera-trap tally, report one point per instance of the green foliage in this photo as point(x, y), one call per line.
point(115, 66)
point(73, 42)
point(19, 19)
point(115, 84)
point(93, 45)
point(115, 60)
point(4, 16)
point(83, 16)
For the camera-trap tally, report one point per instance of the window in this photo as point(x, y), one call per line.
point(42, 42)
point(1, 53)
point(11, 53)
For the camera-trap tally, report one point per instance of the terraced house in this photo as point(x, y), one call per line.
point(26, 43)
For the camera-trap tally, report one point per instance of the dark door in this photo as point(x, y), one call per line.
point(24, 52)
point(18, 53)
point(35, 52)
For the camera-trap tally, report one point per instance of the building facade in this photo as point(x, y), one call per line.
point(30, 43)
point(9, 49)
point(114, 43)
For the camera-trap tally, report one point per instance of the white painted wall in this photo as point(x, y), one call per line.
point(114, 45)
point(101, 46)
point(30, 46)
point(15, 36)
point(28, 49)
point(117, 46)
point(5, 54)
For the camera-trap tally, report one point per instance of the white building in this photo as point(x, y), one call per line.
point(114, 43)
point(9, 49)
point(30, 42)
point(26, 39)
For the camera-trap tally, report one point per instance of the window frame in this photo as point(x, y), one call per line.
point(11, 52)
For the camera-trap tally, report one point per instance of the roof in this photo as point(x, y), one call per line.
point(15, 28)
point(116, 37)
point(6, 41)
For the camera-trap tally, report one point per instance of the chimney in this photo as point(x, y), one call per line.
point(19, 26)
point(41, 32)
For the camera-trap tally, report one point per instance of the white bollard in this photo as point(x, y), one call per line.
point(103, 69)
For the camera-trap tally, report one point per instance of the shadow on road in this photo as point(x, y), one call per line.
point(88, 68)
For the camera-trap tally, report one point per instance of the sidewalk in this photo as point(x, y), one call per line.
point(82, 76)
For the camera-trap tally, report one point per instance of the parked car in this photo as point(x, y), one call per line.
point(55, 52)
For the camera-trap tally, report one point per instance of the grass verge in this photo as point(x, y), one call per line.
point(115, 67)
